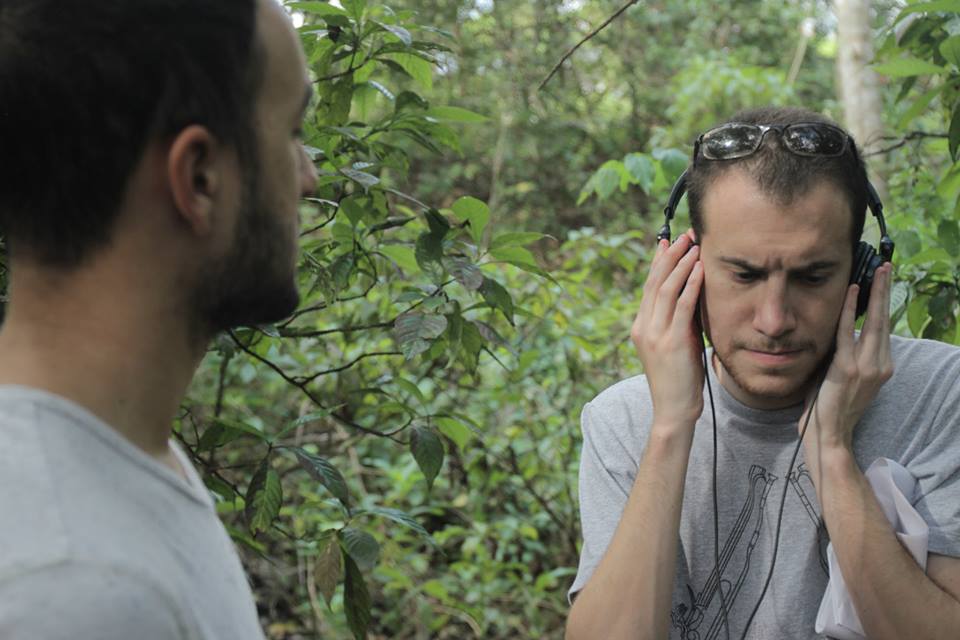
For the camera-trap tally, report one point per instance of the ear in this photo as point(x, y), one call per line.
point(194, 166)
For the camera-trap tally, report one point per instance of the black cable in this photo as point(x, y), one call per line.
point(716, 510)
point(783, 499)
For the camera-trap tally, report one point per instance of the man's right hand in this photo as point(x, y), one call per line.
point(667, 339)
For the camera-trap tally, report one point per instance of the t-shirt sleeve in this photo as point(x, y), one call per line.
point(68, 601)
point(607, 471)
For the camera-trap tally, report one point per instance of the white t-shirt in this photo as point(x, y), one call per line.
point(99, 540)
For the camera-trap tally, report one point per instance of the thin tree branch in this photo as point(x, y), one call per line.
point(579, 44)
point(902, 141)
point(362, 356)
point(301, 332)
point(303, 388)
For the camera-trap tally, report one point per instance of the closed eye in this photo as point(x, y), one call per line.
point(745, 277)
point(812, 279)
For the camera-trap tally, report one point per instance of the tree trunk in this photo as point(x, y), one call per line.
point(858, 83)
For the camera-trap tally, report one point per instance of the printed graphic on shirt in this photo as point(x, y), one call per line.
point(736, 554)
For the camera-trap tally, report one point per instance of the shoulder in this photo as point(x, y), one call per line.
point(919, 364)
point(621, 413)
point(911, 352)
point(70, 600)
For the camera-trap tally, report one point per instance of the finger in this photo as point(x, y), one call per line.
point(669, 292)
point(876, 325)
point(848, 318)
point(879, 306)
point(687, 302)
point(663, 265)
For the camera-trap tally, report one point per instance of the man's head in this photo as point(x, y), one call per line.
point(777, 232)
point(111, 108)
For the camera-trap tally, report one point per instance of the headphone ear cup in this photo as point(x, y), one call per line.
point(865, 264)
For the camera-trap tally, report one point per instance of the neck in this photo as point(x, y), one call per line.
point(110, 345)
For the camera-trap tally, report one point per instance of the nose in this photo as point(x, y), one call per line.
point(308, 174)
point(774, 316)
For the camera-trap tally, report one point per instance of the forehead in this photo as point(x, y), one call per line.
point(741, 219)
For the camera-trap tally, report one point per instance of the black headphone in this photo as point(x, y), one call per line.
point(865, 261)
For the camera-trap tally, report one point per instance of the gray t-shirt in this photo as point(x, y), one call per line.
point(101, 541)
point(915, 420)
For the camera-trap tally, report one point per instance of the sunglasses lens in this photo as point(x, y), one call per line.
point(814, 140)
point(731, 141)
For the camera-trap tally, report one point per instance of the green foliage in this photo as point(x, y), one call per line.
point(922, 52)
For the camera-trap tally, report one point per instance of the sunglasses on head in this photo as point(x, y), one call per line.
point(739, 139)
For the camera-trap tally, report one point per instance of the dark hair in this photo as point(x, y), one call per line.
point(782, 174)
point(85, 85)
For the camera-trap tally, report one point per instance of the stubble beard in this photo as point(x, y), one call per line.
point(795, 390)
point(254, 282)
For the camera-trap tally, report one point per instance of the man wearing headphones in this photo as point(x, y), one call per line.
point(715, 523)
point(149, 199)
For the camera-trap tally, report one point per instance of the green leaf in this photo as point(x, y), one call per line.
point(364, 179)
point(361, 546)
point(465, 272)
point(399, 32)
point(223, 431)
point(607, 181)
point(429, 248)
point(515, 239)
point(917, 315)
point(948, 234)
point(415, 331)
point(411, 389)
point(402, 255)
point(327, 571)
point(427, 450)
point(641, 168)
point(672, 161)
point(323, 471)
point(471, 342)
point(356, 599)
point(457, 431)
point(317, 8)
point(402, 518)
point(263, 499)
point(475, 212)
point(949, 185)
point(455, 114)
point(953, 135)
point(497, 297)
point(305, 419)
point(908, 66)
point(899, 294)
point(354, 8)
point(918, 107)
point(514, 255)
point(439, 225)
point(935, 6)
point(950, 49)
point(416, 67)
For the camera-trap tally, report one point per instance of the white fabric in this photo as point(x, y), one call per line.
point(895, 488)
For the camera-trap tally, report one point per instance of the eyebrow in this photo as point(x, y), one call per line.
point(818, 265)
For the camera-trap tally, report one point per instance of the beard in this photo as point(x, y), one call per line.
point(255, 281)
point(791, 391)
